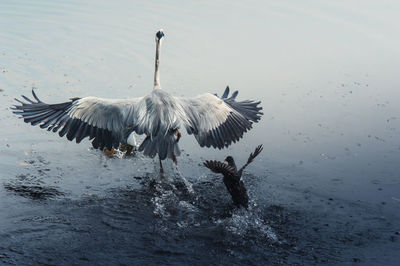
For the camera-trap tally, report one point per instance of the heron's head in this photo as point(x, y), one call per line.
point(230, 160)
point(159, 35)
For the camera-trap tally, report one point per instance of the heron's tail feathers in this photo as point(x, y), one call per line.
point(166, 146)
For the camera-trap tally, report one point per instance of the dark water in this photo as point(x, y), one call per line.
point(325, 190)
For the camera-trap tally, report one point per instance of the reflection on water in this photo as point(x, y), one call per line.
point(326, 74)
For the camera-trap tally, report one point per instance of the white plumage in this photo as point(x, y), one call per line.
point(214, 121)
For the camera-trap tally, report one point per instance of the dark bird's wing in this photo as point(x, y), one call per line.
point(232, 182)
point(218, 121)
point(220, 168)
point(107, 121)
point(253, 155)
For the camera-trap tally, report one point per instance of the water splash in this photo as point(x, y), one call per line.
point(248, 224)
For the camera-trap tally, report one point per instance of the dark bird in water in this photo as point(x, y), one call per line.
point(214, 121)
point(232, 177)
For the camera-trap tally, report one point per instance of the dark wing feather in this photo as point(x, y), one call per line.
point(218, 122)
point(220, 168)
point(253, 155)
point(101, 119)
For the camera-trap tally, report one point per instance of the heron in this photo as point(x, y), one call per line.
point(214, 121)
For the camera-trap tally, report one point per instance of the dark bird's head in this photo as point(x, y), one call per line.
point(159, 35)
point(230, 161)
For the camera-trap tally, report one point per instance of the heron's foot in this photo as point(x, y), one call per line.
point(128, 149)
point(108, 152)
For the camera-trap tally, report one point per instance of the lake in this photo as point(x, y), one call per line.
point(325, 190)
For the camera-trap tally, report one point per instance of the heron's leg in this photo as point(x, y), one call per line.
point(161, 167)
point(178, 135)
point(188, 185)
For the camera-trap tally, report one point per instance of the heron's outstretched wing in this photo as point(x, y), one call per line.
point(253, 155)
point(108, 122)
point(218, 121)
point(220, 168)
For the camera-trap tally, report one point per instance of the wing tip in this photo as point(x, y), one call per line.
point(226, 93)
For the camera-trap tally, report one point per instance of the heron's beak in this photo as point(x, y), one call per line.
point(160, 34)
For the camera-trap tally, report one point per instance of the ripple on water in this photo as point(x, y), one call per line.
point(30, 186)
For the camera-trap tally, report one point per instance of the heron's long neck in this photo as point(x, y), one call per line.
point(157, 84)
